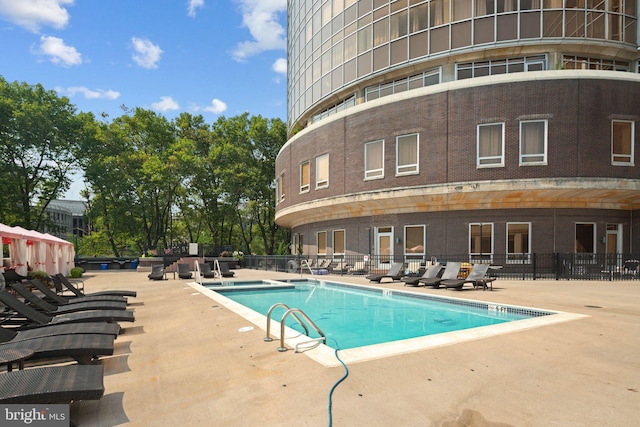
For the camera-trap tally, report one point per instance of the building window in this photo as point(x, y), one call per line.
point(490, 145)
point(468, 70)
point(481, 242)
point(280, 189)
point(585, 238)
point(322, 242)
point(622, 137)
point(414, 241)
point(518, 242)
point(305, 176)
point(374, 160)
point(533, 142)
point(338, 242)
point(407, 154)
point(322, 171)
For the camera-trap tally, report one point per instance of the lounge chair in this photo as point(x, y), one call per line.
point(81, 347)
point(102, 328)
point(184, 272)
point(224, 270)
point(341, 266)
point(49, 295)
point(394, 273)
point(112, 292)
point(430, 273)
point(451, 271)
point(206, 271)
point(477, 276)
point(157, 273)
point(52, 384)
point(358, 267)
point(54, 310)
point(37, 318)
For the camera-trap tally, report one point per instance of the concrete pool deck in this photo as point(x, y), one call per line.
point(189, 361)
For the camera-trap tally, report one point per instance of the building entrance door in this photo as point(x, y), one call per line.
point(384, 247)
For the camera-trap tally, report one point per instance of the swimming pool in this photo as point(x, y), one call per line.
point(370, 322)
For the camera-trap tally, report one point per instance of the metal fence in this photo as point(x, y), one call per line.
point(555, 266)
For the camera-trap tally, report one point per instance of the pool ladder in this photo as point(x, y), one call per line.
point(296, 313)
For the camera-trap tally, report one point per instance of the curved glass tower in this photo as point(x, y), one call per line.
point(492, 126)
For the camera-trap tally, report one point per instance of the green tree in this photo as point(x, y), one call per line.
point(40, 134)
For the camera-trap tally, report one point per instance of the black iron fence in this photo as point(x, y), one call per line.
point(555, 266)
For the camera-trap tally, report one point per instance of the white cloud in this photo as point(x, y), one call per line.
point(166, 103)
point(58, 52)
point(193, 5)
point(34, 14)
point(280, 66)
point(147, 54)
point(216, 107)
point(88, 93)
point(261, 18)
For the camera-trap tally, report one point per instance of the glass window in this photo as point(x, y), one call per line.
point(622, 142)
point(374, 160)
point(280, 189)
point(490, 145)
point(407, 154)
point(322, 242)
point(338, 242)
point(414, 240)
point(481, 241)
point(533, 142)
point(305, 176)
point(518, 242)
point(585, 238)
point(322, 171)
point(399, 25)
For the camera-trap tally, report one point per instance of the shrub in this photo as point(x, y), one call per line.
point(76, 272)
point(42, 276)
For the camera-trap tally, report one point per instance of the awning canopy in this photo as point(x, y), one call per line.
point(44, 252)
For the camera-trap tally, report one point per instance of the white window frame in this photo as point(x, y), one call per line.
point(344, 242)
point(304, 188)
point(419, 255)
point(280, 189)
point(482, 256)
point(373, 173)
point(409, 168)
point(322, 183)
point(326, 235)
point(629, 156)
point(518, 257)
point(544, 154)
point(479, 159)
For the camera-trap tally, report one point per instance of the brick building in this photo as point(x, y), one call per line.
point(461, 127)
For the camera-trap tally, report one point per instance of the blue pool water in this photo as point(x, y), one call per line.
point(353, 316)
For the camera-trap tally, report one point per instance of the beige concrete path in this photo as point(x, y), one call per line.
point(185, 362)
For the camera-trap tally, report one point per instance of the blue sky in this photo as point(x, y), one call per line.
point(209, 57)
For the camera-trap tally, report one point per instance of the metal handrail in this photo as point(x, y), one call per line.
point(305, 262)
point(274, 306)
point(293, 311)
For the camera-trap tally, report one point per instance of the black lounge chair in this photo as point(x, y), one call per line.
point(101, 328)
point(157, 273)
point(184, 272)
point(37, 318)
point(52, 384)
point(10, 276)
point(394, 273)
point(54, 310)
point(477, 276)
point(49, 295)
point(66, 283)
point(224, 270)
point(451, 271)
point(206, 271)
point(430, 273)
point(80, 347)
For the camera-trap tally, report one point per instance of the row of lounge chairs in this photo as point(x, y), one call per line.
point(158, 272)
point(435, 277)
point(47, 328)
